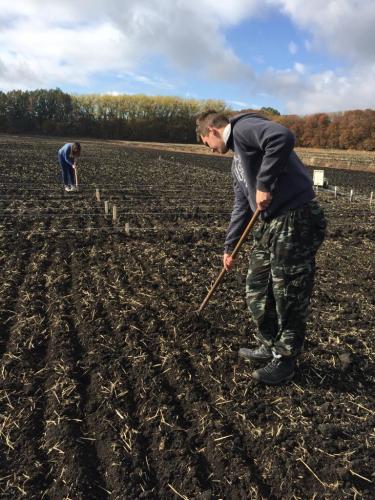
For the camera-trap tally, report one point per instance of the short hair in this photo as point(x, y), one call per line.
point(210, 118)
point(76, 148)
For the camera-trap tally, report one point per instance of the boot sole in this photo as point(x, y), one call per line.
point(269, 382)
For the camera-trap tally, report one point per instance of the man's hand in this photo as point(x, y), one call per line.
point(263, 199)
point(228, 261)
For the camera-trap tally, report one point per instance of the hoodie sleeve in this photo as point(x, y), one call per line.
point(241, 214)
point(275, 141)
point(66, 155)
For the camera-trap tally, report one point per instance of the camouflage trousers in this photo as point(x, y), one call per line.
point(281, 273)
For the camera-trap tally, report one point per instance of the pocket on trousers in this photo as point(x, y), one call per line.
point(298, 280)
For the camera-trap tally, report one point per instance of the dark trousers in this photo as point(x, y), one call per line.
point(67, 171)
point(281, 274)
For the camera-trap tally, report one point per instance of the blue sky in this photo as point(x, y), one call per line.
point(250, 53)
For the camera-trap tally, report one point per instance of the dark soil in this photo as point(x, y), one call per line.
point(111, 385)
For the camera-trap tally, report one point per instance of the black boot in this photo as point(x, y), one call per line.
point(277, 371)
point(261, 353)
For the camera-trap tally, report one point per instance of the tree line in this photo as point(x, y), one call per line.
point(163, 119)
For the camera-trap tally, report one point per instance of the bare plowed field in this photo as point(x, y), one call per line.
point(113, 388)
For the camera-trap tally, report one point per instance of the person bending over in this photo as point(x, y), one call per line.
point(67, 156)
point(268, 175)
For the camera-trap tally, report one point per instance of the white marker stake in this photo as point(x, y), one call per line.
point(106, 207)
point(351, 195)
point(97, 194)
point(114, 213)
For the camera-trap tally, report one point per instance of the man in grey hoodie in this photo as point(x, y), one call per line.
point(267, 174)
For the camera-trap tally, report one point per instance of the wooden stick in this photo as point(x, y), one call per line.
point(97, 194)
point(76, 176)
point(233, 255)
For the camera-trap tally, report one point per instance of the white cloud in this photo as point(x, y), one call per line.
point(37, 54)
point(69, 42)
point(300, 68)
point(242, 105)
point(187, 34)
point(308, 45)
point(153, 82)
point(111, 93)
point(306, 92)
point(293, 48)
point(344, 27)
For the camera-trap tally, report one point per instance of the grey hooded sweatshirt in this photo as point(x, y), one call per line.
point(263, 160)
